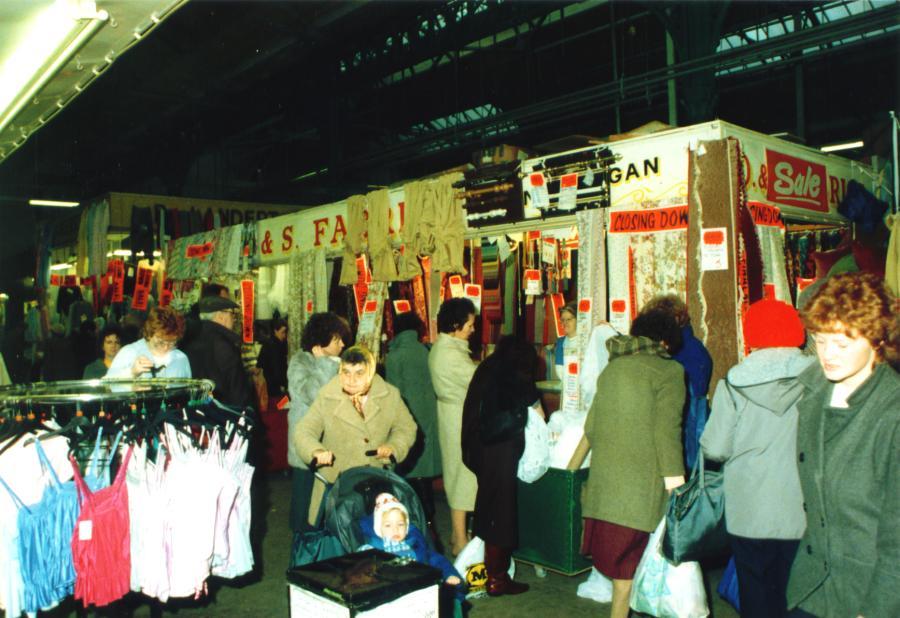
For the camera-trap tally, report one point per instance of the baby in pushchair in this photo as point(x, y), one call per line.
point(375, 507)
point(389, 529)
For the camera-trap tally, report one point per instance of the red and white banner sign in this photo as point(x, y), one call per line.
point(766, 214)
point(200, 252)
point(650, 220)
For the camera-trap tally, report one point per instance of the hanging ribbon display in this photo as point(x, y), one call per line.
point(168, 292)
point(248, 290)
point(117, 268)
point(141, 294)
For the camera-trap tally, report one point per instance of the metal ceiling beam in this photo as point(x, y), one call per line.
point(588, 100)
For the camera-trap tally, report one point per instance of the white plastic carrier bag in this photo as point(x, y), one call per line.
point(536, 458)
point(664, 590)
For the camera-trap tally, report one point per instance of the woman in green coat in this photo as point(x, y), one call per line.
point(634, 430)
point(406, 367)
point(848, 455)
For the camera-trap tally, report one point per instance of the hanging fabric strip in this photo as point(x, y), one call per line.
point(384, 268)
point(354, 240)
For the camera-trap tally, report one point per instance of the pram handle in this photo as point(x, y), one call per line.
point(374, 452)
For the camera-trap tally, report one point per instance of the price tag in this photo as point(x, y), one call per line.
point(619, 314)
point(456, 286)
point(540, 198)
point(473, 293)
point(713, 249)
point(568, 192)
point(402, 306)
point(85, 530)
point(571, 391)
point(367, 319)
point(532, 282)
point(585, 305)
point(548, 251)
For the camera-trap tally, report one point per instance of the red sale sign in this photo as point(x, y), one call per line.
point(795, 182)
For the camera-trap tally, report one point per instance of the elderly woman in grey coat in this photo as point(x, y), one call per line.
point(310, 369)
point(753, 429)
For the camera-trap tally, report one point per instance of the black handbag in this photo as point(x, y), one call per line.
point(695, 518)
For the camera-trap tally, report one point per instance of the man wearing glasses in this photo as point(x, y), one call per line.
point(154, 356)
point(215, 353)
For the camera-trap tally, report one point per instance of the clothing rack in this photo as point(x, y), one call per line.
point(95, 394)
point(176, 416)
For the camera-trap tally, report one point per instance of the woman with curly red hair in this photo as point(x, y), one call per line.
point(848, 454)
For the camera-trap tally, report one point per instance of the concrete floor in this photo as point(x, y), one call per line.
point(265, 594)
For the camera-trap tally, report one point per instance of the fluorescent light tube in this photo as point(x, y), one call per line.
point(56, 203)
point(846, 146)
point(60, 266)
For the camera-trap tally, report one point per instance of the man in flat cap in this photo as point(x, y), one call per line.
point(215, 352)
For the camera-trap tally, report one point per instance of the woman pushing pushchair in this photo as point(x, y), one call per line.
point(357, 423)
point(356, 413)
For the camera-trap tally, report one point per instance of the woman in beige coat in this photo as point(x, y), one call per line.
point(451, 370)
point(355, 412)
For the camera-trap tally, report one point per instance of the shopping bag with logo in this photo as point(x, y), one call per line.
point(470, 563)
point(664, 590)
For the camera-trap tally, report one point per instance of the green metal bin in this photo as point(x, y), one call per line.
point(550, 522)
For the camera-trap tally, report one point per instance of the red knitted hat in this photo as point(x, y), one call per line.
point(773, 324)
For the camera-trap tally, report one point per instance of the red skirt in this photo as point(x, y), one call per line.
point(615, 550)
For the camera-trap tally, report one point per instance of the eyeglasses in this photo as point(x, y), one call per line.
point(162, 344)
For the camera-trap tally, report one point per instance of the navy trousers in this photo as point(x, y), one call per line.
point(763, 566)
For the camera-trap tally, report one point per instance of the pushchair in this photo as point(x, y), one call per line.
point(346, 501)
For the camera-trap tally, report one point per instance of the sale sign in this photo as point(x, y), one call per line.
point(795, 182)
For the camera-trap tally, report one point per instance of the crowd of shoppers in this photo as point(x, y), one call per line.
point(806, 428)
